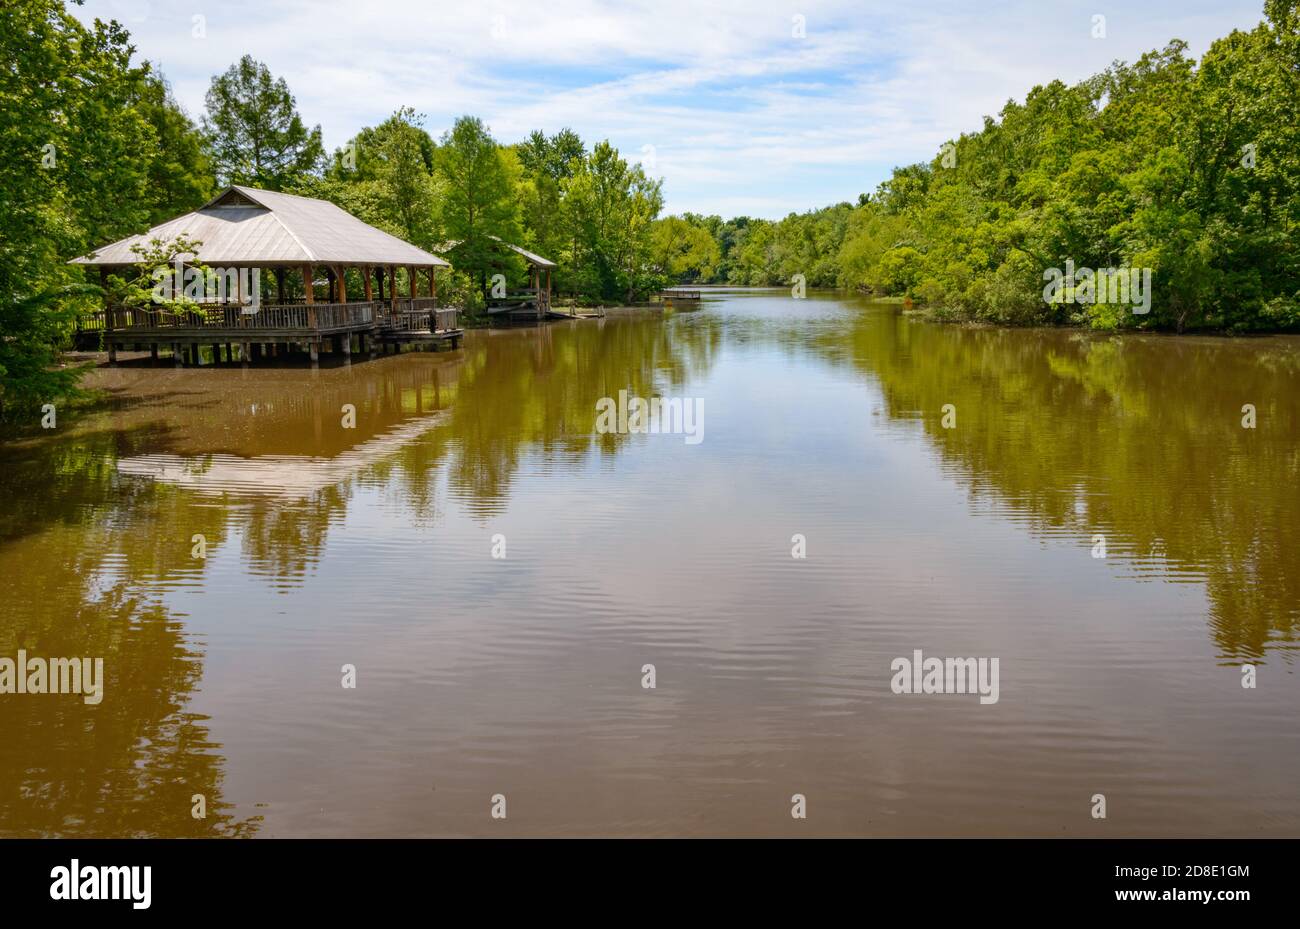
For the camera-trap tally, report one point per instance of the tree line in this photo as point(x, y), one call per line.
point(1188, 169)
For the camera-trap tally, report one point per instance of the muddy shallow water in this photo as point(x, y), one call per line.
point(373, 546)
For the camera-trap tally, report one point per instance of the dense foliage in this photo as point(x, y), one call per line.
point(92, 148)
point(1191, 170)
point(590, 211)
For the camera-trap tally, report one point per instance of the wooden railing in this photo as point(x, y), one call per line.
point(298, 316)
point(91, 322)
point(409, 316)
point(406, 319)
point(342, 315)
point(444, 319)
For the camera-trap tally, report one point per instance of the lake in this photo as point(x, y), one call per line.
point(1088, 509)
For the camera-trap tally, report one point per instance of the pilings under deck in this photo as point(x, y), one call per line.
point(249, 345)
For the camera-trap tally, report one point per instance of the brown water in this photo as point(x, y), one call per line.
point(522, 675)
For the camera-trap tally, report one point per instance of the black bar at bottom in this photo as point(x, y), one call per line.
point(953, 876)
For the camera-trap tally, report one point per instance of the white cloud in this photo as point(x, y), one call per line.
point(744, 117)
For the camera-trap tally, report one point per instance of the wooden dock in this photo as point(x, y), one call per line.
point(375, 325)
point(676, 297)
point(577, 312)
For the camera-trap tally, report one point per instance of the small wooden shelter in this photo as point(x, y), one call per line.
point(534, 301)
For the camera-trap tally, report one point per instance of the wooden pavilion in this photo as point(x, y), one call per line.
point(244, 229)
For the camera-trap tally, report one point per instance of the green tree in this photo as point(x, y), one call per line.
point(608, 211)
point(71, 176)
point(180, 173)
point(683, 252)
point(389, 168)
point(254, 132)
point(477, 201)
point(547, 163)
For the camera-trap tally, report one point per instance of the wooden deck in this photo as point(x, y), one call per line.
point(677, 295)
point(521, 305)
point(373, 323)
point(532, 306)
point(577, 312)
point(420, 320)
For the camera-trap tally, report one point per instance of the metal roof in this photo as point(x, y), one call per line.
point(245, 226)
point(532, 258)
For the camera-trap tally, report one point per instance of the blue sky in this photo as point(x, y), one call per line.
point(736, 110)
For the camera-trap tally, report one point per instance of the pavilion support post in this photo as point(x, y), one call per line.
point(370, 290)
point(279, 286)
point(243, 354)
point(347, 348)
point(108, 310)
point(341, 278)
point(112, 355)
point(309, 272)
point(392, 287)
point(410, 274)
point(153, 354)
point(230, 354)
point(177, 358)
